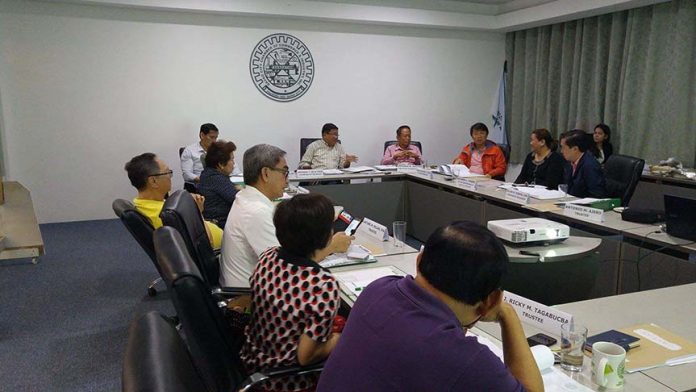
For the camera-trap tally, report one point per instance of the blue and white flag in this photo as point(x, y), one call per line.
point(498, 133)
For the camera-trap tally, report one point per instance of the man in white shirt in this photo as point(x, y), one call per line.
point(326, 153)
point(191, 164)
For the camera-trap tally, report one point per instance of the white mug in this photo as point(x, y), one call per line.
point(608, 363)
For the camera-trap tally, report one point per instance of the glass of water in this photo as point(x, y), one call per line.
point(573, 337)
point(563, 188)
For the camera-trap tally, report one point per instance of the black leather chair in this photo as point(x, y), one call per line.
point(622, 174)
point(157, 359)
point(306, 141)
point(189, 186)
point(213, 344)
point(506, 153)
point(141, 229)
point(413, 143)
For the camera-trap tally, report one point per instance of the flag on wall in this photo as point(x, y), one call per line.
point(499, 133)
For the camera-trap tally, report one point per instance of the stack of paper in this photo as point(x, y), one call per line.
point(353, 282)
point(385, 167)
point(358, 169)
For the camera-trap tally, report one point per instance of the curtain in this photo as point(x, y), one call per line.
point(634, 70)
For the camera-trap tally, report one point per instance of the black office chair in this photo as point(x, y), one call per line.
point(189, 186)
point(305, 142)
point(506, 153)
point(392, 142)
point(213, 345)
point(141, 229)
point(157, 359)
point(622, 174)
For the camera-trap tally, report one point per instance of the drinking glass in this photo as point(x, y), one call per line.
point(573, 337)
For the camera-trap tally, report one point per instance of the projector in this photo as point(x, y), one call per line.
point(529, 231)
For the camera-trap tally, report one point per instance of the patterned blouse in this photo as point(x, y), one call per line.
point(291, 296)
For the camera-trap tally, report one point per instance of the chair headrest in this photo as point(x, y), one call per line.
point(182, 205)
point(173, 257)
point(120, 206)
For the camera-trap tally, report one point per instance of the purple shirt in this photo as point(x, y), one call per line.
point(388, 158)
point(399, 337)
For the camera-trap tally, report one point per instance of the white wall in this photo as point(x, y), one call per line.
point(85, 88)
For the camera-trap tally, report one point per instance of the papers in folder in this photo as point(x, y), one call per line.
point(353, 282)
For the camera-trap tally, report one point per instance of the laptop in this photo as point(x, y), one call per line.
point(680, 216)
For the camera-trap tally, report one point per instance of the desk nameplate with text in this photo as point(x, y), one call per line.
point(517, 196)
point(465, 183)
point(539, 315)
point(427, 173)
point(309, 173)
point(407, 169)
point(374, 229)
point(584, 212)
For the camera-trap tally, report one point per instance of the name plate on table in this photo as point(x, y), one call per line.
point(539, 315)
point(406, 169)
point(466, 183)
point(584, 212)
point(517, 196)
point(374, 229)
point(306, 173)
point(425, 172)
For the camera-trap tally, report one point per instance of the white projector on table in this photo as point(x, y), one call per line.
point(529, 231)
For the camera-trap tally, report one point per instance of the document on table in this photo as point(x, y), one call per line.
point(385, 167)
point(353, 282)
point(554, 378)
point(586, 200)
point(358, 169)
point(356, 254)
point(658, 347)
point(536, 191)
point(332, 171)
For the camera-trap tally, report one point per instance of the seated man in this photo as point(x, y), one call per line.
point(584, 175)
point(326, 153)
point(191, 164)
point(249, 229)
point(402, 152)
point(153, 180)
point(409, 334)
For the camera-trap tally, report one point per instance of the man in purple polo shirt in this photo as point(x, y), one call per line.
point(409, 334)
point(403, 151)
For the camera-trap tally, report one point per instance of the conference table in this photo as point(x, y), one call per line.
point(668, 307)
point(631, 256)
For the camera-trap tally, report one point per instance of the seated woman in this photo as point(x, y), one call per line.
point(215, 182)
point(543, 166)
point(402, 152)
point(153, 180)
point(482, 156)
point(601, 136)
point(294, 299)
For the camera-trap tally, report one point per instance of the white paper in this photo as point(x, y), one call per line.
point(385, 167)
point(355, 281)
point(586, 200)
point(237, 179)
point(332, 171)
point(358, 169)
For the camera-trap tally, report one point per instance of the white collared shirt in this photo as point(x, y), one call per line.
point(191, 165)
point(320, 156)
point(248, 232)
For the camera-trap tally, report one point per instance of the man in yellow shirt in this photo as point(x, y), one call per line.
point(153, 180)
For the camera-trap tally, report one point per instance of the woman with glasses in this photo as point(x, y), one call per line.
point(295, 300)
point(543, 166)
point(215, 182)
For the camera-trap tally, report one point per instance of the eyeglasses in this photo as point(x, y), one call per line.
point(285, 171)
point(169, 173)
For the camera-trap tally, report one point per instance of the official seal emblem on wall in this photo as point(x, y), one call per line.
point(281, 67)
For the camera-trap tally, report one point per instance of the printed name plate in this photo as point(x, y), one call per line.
point(533, 313)
point(425, 172)
point(374, 229)
point(584, 212)
point(305, 173)
point(466, 183)
point(517, 196)
point(406, 169)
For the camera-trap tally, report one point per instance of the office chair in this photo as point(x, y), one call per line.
point(189, 186)
point(392, 142)
point(305, 142)
point(506, 153)
point(139, 226)
point(622, 173)
point(157, 359)
point(213, 344)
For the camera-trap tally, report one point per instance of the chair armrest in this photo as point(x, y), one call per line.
point(263, 376)
point(230, 292)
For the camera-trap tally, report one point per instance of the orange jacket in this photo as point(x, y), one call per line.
point(493, 160)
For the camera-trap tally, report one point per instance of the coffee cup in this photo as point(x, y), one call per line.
point(608, 363)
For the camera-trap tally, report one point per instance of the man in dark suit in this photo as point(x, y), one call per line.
point(584, 174)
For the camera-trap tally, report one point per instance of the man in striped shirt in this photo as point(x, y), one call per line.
point(326, 153)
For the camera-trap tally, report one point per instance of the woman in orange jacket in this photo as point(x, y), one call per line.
point(482, 156)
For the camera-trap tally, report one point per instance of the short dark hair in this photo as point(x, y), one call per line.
point(464, 260)
point(140, 168)
point(399, 129)
point(219, 153)
point(605, 128)
point(258, 157)
point(479, 126)
point(545, 135)
point(304, 224)
point(328, 127)
point(577, 138)
point(207, 128)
